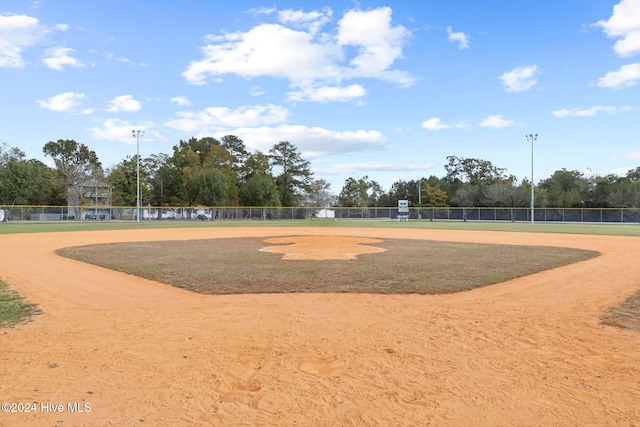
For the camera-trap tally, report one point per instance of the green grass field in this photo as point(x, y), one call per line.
point(570, 228)
point(237, 266)
point(13, 308)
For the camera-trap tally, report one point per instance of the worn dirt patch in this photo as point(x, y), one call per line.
point(531, 351)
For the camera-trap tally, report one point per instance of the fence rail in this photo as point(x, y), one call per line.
point(128, 213)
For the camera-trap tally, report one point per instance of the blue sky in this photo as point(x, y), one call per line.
point(384, 89)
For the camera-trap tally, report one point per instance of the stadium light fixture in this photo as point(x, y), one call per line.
point(137, 134)
point(532, 137)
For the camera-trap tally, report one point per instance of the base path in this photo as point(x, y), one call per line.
point(528, 352)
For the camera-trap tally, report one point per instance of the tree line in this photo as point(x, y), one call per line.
point(471, 182)
point(203, 171)
point(213, 172)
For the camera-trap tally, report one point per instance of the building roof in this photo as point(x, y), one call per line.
point(93, 183)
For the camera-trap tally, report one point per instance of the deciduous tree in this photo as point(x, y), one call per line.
point(361, 193)
point(74, 161)
point(565, 189)
point(29, 182)
point(433, 196)
point(319, 194)
point(211, 187)
point(259, 190)
point(295, 174)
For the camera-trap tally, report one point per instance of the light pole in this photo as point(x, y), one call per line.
point(420, 198)
point(137, 134)
point(532, 137)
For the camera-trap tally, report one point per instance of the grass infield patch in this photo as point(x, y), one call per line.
point(625, 315)
point(13, 308)
point(237, 266)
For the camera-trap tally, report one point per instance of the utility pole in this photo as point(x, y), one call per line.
point(137, 134)
point(532, 137)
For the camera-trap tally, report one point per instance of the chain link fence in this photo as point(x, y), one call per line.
point(147, 213)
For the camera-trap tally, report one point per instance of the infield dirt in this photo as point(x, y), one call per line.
point(531, 351)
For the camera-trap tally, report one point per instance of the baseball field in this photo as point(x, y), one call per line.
point(111, 348)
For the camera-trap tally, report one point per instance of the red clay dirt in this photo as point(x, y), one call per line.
point(528, 352)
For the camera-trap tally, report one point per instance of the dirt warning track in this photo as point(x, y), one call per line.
point(526, 352)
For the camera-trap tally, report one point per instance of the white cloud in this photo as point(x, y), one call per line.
point(311, 21)
point(623, 170)
point(458, 37)
point(434, 124)
point(327, 93)
point(590, 112)
point(112, 57)
point(58, 57)
point(16, 33)
point(217, 118)
point(262, 126)
point(351, 169)
point(633, 156)
point(256, 91)
point(520, 79)
point(627, 75)
point(624, 23)
point(120, 130)
point(265, 50)
point(124, 103)
point(379, 44)
point(181, 100)
point(261, 11)
point(311, 141)
point(63, 102)
point(497, 121)
point(365, 44)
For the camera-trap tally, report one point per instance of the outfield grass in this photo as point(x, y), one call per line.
point(13, 308)
point(568, 228)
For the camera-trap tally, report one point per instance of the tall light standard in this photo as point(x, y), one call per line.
point(420, 198)
point(532, 137)
point(137, 134)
